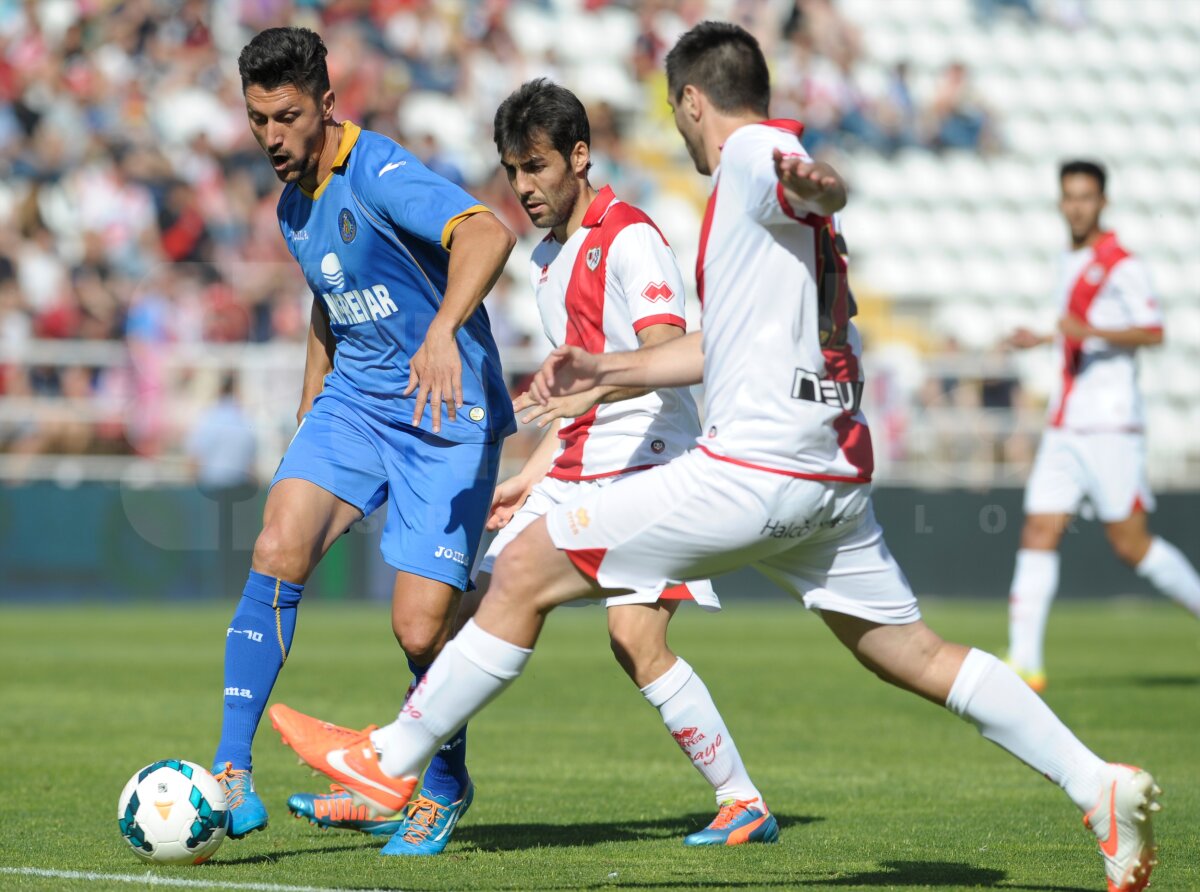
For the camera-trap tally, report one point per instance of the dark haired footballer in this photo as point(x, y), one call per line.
point(1094, 448)
point(403, 398)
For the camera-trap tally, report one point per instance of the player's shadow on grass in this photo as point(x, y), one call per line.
point(926, 874)
point(514, 837)
point(1137, 681)
point(268, 858)
point(931, 873)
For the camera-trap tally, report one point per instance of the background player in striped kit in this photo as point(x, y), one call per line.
point(1094, 447)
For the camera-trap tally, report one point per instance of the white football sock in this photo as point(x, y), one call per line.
point(688, 711)
point(470, 671)
point(994, 699)
point(1034, 584)
point(1171, 573)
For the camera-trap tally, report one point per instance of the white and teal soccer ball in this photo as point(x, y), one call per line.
point(172, 812)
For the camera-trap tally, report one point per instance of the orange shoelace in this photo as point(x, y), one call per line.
point(234, 782)
point(423, 816)
point(730, 812)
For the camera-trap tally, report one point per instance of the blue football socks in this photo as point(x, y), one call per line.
point(256, 645)
point(447, 773)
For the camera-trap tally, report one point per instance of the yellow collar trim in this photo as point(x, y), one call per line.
point(350, 132)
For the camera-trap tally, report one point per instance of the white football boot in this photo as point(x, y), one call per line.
point(1121, 822)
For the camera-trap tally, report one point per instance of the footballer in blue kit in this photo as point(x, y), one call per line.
point(404, 400)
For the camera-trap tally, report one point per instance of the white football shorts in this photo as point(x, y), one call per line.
point(1105, 469)
point(549, 493)
point(698, 516)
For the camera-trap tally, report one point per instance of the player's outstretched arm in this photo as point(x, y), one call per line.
point(511, 494)
point(479, 248)
point(1025, 339)
point(1075, 328)
point(575, 404)
point(676, 363)
point(811, 184)
point(319, 360)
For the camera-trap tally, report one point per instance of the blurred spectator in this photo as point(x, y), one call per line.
point(957, 117)
point(987, 10)
point(222, 447)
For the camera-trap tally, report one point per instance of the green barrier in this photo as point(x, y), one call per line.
point(111, 542)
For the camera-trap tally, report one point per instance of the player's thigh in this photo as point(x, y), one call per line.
point(1057, 482)
point(1115, 467)
point(301, 514)
point(846, 569)
point(439, 495)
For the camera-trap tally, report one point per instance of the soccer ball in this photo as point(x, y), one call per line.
point(172, 812)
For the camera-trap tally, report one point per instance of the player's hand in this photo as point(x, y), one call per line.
point(507, 499)
point(556, 407)
point(435, 373)
point(567, 370)
point(807, 179)
point(1023, 339)
point(1074, 328)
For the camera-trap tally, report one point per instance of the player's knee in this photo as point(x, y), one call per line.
point(276, 554)
point(514, 578)
point(1041, 533)
point(1129, 548)
point(421, 641)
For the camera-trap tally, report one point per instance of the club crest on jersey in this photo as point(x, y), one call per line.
point(593, 258)
point(1094, 274)
point(347, 226)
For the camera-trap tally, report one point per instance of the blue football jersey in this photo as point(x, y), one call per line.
point(372, 243)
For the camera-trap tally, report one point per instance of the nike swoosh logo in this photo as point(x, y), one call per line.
point(1109, 846)
point(391, 166)
point(337, 761)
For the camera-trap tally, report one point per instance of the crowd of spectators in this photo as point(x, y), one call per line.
point(135, 205)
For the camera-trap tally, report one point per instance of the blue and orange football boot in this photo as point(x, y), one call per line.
point(337, 810)
point(738, 821)
point(246, 811)
point(428, 823)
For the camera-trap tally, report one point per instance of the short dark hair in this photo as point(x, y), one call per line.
point(541, 108)
point(1093, 169)
point(725, 63)
point(281, 56)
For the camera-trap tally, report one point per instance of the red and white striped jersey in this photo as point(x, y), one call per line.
point(1108, 288)
point(782, 378)
point(613, 277)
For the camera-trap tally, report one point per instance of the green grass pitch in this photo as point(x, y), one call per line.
point(579, 786)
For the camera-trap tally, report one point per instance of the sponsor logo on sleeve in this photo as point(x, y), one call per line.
point(657, 291)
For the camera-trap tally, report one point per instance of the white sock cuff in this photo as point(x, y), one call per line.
point(976, 666)
point(668, 684)
point(1037, 561)
point(1159, 548)
point(494, 655)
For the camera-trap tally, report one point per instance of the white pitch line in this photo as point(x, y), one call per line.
point(153, 879)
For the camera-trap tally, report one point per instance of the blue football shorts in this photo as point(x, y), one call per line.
point(438, 492)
